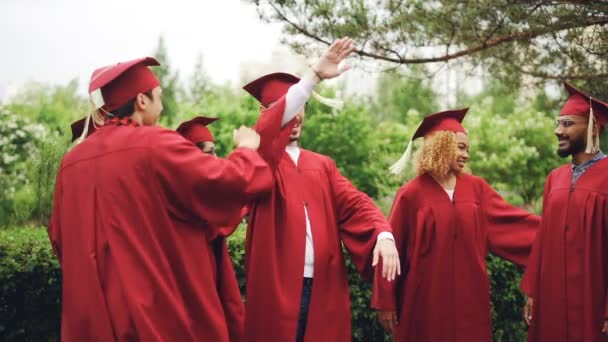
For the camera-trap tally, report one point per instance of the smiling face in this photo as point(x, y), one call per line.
point(462, 153)
point(571, 133)
point(296, 132)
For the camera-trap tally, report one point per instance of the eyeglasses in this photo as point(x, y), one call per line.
point(567, 123)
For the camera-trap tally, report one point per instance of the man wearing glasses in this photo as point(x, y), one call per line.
point(567, 276)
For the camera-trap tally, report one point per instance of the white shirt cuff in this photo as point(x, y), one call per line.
point(385, 235)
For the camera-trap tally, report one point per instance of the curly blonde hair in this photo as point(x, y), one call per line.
point(436, 154)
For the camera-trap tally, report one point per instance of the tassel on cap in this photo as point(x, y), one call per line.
point(592, 140)
point(449, 120)
point(333, 103)
point(398, 168)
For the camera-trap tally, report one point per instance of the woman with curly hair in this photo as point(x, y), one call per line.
point(445, 222)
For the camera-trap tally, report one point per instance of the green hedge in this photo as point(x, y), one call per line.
point(31, 286)
point(31, 291)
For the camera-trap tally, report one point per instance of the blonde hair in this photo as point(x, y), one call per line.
point(437, 154)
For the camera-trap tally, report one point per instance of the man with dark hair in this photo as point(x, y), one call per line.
point(567, 275)
point(134, 206)
point(197, 132)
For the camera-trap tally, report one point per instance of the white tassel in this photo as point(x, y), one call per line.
point(333, 103)
point(400, 165)
point(592, 144)
point(94, 115)
point(97, 98)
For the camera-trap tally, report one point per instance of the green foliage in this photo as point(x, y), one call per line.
point(507, 301)
point(200, 83)
point(30, 286)
point(54, 106)
point(17, 145)
point(347, 138)
point(169, 83)
point(30, 291)
point(400, 93)
point(365, 326)
point(510, 39)
point(512, 146)
point(42, 174)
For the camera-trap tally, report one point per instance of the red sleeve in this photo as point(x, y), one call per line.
point(227, 230)
point(528, 281)
point(273, 136)
point(384, 292)
point(54, 229)
point(201, 187)
point(359, 221)
point(511, 230)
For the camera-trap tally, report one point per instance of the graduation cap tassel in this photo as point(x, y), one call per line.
point(399, 166)
point(85, 130)
point(95, 116)
point(333, 103)
point(592, 144)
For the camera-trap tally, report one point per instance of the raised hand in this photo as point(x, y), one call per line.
point(328, 66)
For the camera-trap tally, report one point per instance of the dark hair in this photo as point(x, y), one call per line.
point(129, 108)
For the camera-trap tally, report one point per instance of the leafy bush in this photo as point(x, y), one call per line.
point(31, 291)
point(18, 138)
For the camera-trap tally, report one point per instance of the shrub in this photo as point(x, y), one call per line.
point(31, 291)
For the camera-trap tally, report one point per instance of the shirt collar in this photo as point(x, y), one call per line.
point(598, 156)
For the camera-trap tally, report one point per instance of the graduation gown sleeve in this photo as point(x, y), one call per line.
point(384, 293)
point(219, 188)
point(274, 137)
point(528, 282)
point(511, 230)
point(359, 220)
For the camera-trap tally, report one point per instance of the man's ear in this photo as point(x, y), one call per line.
point(140, 101)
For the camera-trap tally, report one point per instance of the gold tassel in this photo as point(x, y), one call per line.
point(333, 103)
point(399, 166)
point(592, 144)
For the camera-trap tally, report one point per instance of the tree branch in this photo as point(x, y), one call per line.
point(488, 44)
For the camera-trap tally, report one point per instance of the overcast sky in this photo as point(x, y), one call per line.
point(55, 41)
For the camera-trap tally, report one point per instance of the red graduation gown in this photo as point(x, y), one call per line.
point(228, 290)
point(276, 238)
point(227, 283)
point(568, 273)
point(126, 228)
point(444, 291)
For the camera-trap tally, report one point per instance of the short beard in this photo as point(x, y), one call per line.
point(576, 146)
point(563, 153)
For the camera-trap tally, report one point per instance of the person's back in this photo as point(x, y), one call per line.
point(133, 205)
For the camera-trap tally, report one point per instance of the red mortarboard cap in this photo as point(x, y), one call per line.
point(78, 128)
point(195, 130)
point(114, 85)
point(449, 120)
point(578, 103)
point(270, 88)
